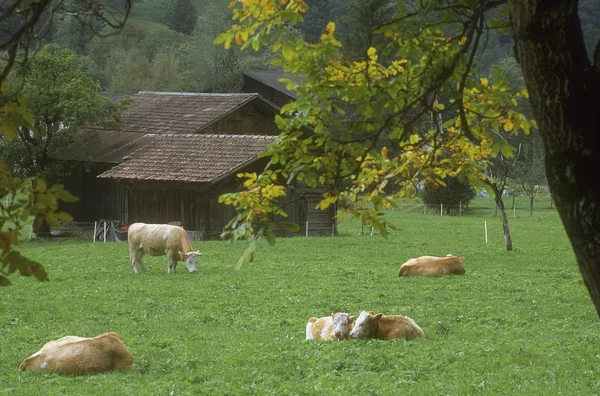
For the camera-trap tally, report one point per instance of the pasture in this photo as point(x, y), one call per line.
point(516, 323)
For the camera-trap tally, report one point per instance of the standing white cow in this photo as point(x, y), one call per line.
point(160, 240)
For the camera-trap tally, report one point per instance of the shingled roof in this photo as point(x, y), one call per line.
point(190, 157)
point(271, 79)
point(103, 146)
point(181, 112)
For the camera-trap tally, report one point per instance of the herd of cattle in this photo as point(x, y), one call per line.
point(74, 355)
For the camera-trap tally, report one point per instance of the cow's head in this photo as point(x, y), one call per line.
point(365, 325)
point(191, 259)
point(342, 324)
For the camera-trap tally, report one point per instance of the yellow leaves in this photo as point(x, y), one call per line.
point(372, 54)
point(484, 81)
point(384, 152)
point(414, 139)
point(508, 126)
point(330, 28)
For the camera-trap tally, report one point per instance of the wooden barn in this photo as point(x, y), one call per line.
point(176, 154)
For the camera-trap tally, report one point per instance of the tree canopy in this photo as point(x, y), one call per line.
point(61, 100)
point(426, 50)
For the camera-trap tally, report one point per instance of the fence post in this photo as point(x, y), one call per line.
point(95, 228)
point(460, 208)
point(307, 228)
point(441, 209)
point(485, 227)
point(105, 232)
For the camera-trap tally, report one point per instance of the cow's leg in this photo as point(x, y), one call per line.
point(133, 259)
point(171, 262)
point(141, 260)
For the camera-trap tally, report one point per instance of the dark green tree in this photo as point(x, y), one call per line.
point(181, 16)
point(456, 192)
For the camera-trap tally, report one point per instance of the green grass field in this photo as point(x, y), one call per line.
point(516, 323)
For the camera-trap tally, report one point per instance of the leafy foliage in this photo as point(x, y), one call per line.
point(61, 100)
point(366, 111)
point(455, 192)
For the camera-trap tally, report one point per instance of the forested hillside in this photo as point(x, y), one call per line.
point(167, 45)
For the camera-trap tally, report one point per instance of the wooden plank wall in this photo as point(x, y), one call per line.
point(248, 120)
point(98, 198)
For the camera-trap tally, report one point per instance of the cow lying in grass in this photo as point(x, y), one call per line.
point(73, 355)
point(433, 266)
point(160, 240)
point(334, 327)
point(385, 327)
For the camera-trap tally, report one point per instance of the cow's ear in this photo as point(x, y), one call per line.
point(332, 315)
point(181, 255)
point(351, 318)
point(378, 316)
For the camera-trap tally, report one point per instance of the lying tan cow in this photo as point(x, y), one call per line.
point(73, 355)
point(334, 327)
point(385, 327)
point(433, 266)
point(160, 240)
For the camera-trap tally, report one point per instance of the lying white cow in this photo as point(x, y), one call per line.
point(433, 266)
point(160, 240)
point(334, 327)
point(385, 327)
point(74, 355)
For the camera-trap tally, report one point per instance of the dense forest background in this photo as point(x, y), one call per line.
point(167, 45)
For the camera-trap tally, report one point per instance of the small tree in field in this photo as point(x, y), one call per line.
point(529, 172)
point(456, 192)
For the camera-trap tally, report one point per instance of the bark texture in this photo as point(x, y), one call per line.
point(564, 88)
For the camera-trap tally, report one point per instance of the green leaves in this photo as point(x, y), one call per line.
point(367, 130)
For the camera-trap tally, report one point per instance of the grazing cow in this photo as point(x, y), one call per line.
point(160, 240)
point(334, 327)
point(385, 327)
point(73, 355)
point(433, 266)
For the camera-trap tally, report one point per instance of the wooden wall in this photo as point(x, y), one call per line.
point(248, 120)
point(98, 198)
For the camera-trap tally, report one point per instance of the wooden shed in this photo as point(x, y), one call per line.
point(176, 154)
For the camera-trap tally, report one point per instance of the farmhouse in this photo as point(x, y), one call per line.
point(176, 154)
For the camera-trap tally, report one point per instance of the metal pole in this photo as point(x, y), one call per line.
point(460, 208)
point(441, 209)
point(333, 230)
point(307, 228)
point(105, 232)
point(95, 228)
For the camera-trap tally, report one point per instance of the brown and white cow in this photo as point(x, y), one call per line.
point(160, 240)
point(74, 355)
point(385, 327)
point(334, 327)
point(433, 266)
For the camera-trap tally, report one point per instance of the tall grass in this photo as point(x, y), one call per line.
point(516, 323)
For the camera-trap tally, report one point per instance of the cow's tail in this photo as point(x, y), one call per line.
point(309, 326)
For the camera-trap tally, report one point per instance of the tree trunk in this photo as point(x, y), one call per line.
point(531, 205)
point(504, 219)
point(564, 91)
